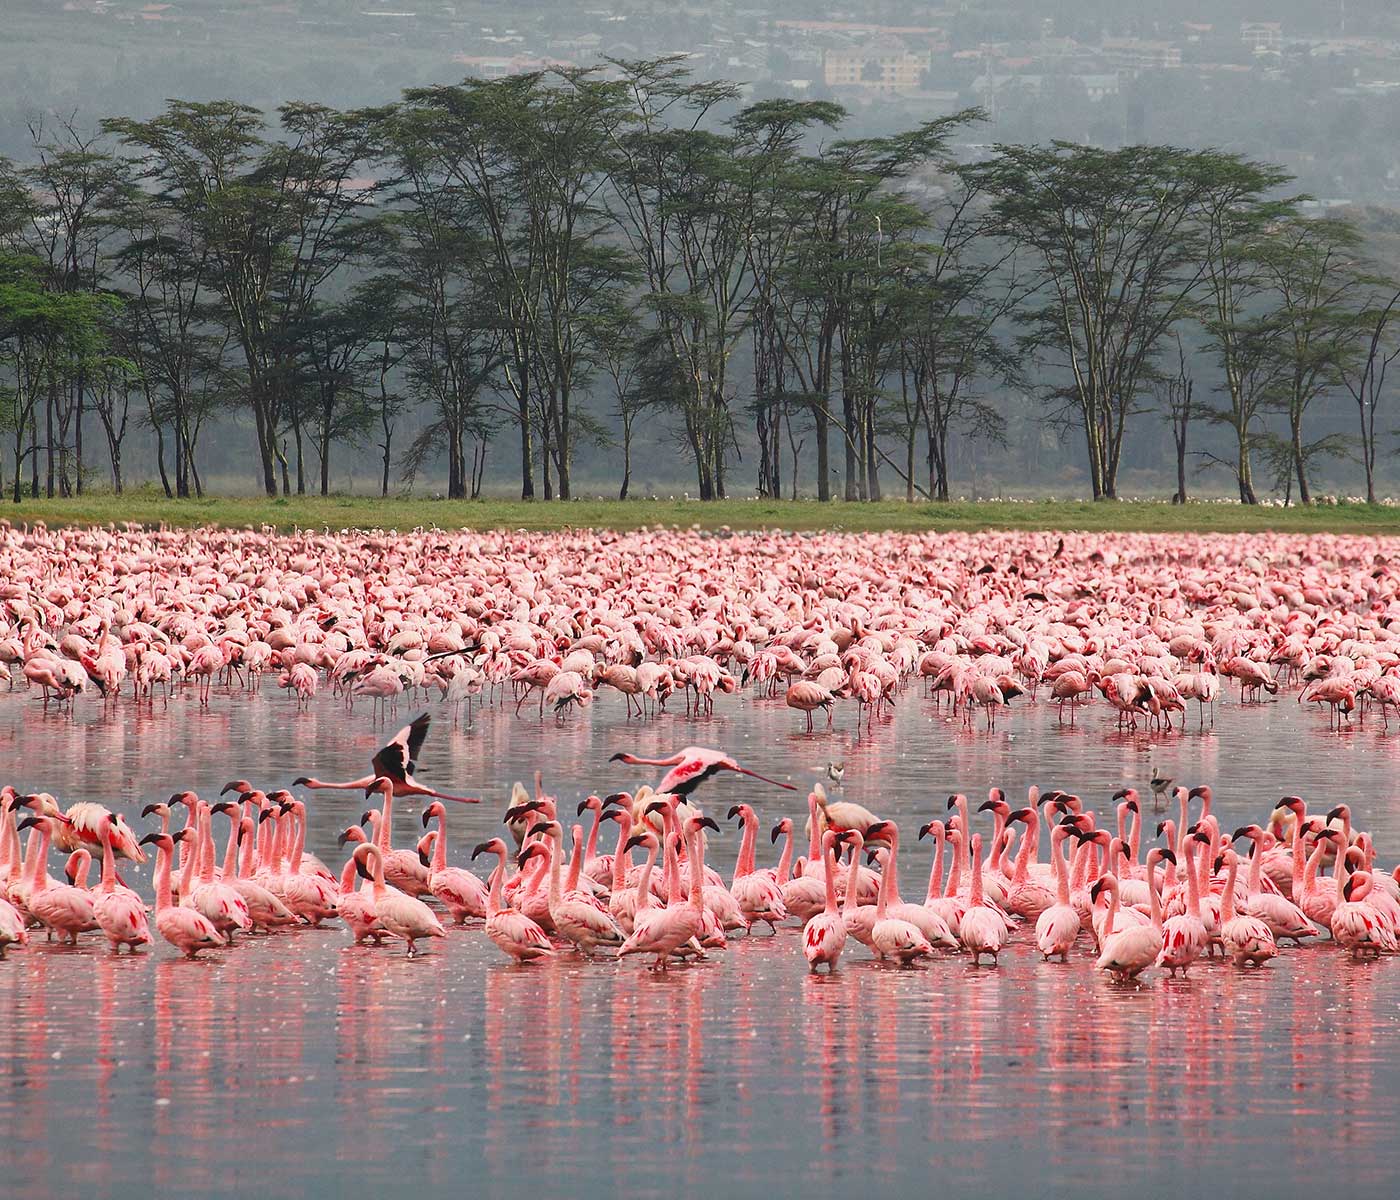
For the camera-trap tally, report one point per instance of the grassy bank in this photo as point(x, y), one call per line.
point(338, 512)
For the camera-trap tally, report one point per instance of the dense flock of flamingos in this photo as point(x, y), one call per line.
point(984, 623)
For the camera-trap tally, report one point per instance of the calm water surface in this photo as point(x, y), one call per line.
point(302, 1065)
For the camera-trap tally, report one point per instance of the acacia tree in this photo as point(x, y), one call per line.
point(1311, 267)
point(274, 219)
point(1109, 235)
point(526, 154)
point(688, 202)
point(1236, 212)
point(1364, 371)
point(76, 184)
point(840, 201)
point(1176, 396)
point(968, 289)
point(167, 330)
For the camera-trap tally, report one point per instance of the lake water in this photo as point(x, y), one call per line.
point(301, 1065)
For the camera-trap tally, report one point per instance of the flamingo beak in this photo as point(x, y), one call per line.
point(732, 813)
point(773, 834)
point(1168, 856)
point(709, 823)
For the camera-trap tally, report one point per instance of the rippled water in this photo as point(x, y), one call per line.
point(303, 1065)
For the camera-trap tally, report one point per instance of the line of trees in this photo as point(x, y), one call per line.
point(561, 254)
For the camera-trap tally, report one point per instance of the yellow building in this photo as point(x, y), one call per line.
point(887, 66)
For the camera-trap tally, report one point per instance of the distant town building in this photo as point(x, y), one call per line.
point(491, 66)
point(1263, 37)
point(886, 66)
point(1139, 54)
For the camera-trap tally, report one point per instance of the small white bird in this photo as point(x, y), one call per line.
point(836, 771)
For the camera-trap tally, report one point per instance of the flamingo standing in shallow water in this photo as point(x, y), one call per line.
point(184, 928)
point(403, 916)
point(824, 935)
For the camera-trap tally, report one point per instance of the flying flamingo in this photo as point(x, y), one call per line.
point(396, 762)
point(691, 767)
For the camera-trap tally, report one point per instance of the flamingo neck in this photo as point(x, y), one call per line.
point(748, 845)
point(785, 859)
point(440, 849)
point(1193, 891)
point(1061, 873)
point(591, 850)
point(387, 821)
point(231, 849)
point(935, 875)
point(162, 880)
point(644, 879)
point(109, 865)
point(829, 866)
point(621, 857)
point(576, 861)
point(1227, 901)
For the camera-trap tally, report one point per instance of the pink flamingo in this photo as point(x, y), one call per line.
point(403, 916)
point(663, 931)
point(1129, 951)
point(893, 937)
point(394, 762)
point(513, 932)
point(184, 928)
point(577, 916)
point(118, 911)
point(1057, 927)
point(691, 767)
point(356, 906)
point(981, 931)
point(461, 892)
point(66, 910)
point(824, 935)
point(1184, 935)
point(1247, 940)
point(758, 894)
point(1355, 924)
